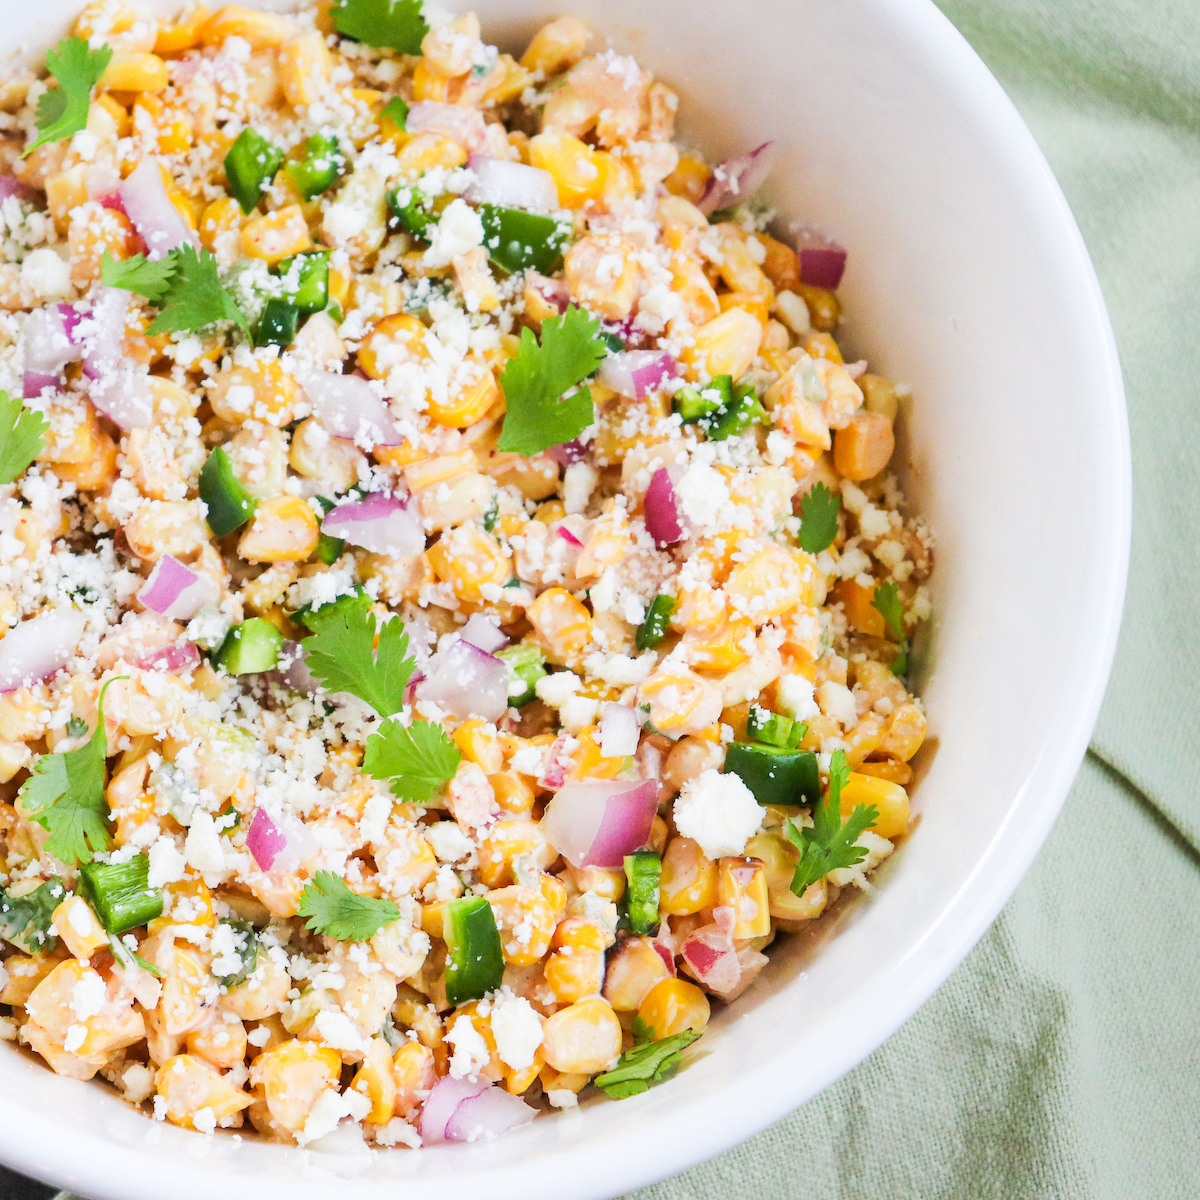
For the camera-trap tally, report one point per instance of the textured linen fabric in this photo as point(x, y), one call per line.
point(1063, 1058)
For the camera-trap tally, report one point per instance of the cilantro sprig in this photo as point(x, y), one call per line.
point(63, 111)
point(342, 654)
point(539, 415)
point(829, 845)
point(334, 910)
point(26, 920)
point(22, 437)
point(819, 519)
point(65, 794)
point(396, 24)
point(886, 602)
point(417, 758)
point(640, 1068)
point(185, 285)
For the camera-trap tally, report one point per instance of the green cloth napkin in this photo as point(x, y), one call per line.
point(1063, 1058)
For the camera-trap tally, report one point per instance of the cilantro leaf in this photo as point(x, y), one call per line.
point(334, 910)
point(63, 111)
point(417, 758)
point(246, 946)
point(829, 845)
point(26, 920)
point(138, 274)
point(641, 1068)
point(886, 602)
point(65, 794)
point(194, 297)
point(534, 382)
point(22, 437)
point(341, 654)
point(819, 524)
point(397, 24)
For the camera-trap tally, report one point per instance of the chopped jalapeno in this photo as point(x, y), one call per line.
point(643, 871)
point(474, 959)
point(329, 548)
point(410, 206)
point(700, 402)
point(277, 326)
point(528, 665)
point(745, 410)
point(785, 778)
point(230, 506)
point(120, 893)
point(762, 725)
point(394, 116)
point(517, 240)
point(654, 628)
point(306, 281)
point(317, 166)
point(250, 165)
point(251, 647)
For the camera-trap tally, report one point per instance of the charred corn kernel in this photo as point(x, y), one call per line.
point(503, 843)
point(689, 179)
point(292, 1076)
point(131, 72)
point(263, 391)
point(602, 273)
point(723, 648)
point(879, 395)
point(725, 345)
point(906, 729)
point(161, 527)
point(78, 927)
point(262, 30)
point(632, 971)
point(574, 165)
point(689, 879)
point(469, 560)
point(889, 798)
point(183, 33)
point(469, 404)
point(864, 447)
point(413, 1073)
point(478, 742)
point(582, 1038)
point(525, 919)
point(672, 1006)
point(824, 311)
point(221, 216)
point(263, 995)
point(304, 68)
point(189, 1085)
point(283, 529)
point(376, 1081)
point(556, 46)
point(680, 701)
point(766, 585)
point(507, 80)
point(513, 793)
point(276, 235)
point(427, 151)
point(563, 624)
point(434, 471)
point(780, 264)
point(742, 886)
point(221, 1042)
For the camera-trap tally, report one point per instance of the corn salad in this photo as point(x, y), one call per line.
point(453, 594)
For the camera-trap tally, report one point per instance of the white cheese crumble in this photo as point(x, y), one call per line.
point(517, 1029)
point(795, 696)
point(471, 1053)
point(717, 811)
point(458, 231)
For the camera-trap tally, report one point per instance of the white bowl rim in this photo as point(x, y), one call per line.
point(694, 1131)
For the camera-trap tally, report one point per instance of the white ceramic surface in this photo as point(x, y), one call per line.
point(967, 279)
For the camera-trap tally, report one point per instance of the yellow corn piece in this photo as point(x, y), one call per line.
point(284, 529)
point(601, 272)
point(81, 933)
point(263, 391)
point(468, 559)
point(631, 972)
point(556, 46)
point(563, 624)
point(725, 345)
point(689, 879)
point(575, 166)
point(766, 585)
point(433, 471)
point(470, 404)
point(504, 841)
point(525, 920)
point(262, 30)
point(582, 1038)
point(721, 649)
point(589, 762)
point(689, 179)
point(426, 151)
point(478, 742)
point(860, 613)
point(672, 1006)
point(276, 235)
point(742, 885)
point(304, 68)
point(906, 729)
point(131, 72)
point(889, 798)
point(183, 34)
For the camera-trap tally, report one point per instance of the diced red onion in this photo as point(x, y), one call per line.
point(278, 844)
point(637, 373)
point(49, 339)
point(554, 770)
point(566, 453)
point(124, 398)
point(712, 959)
point(664, 952)
point(293, 669)
point(118, 388)
point(442, 1103)
point(491, 1112)
point(379, 523)
point(467, 682)
point(34, 383)
point(103, 183)
point(595, 823)
point(466, 126)
point(560, 528)
point(822, 260)
point(855, 369)
point(483, 633)
point(10, 185)
point(552, 291)
point(620, 730)
point(177, 659)
point(348, 407)
point(177, 591)
point(650, 760)
point(737, 179)
point(510, 185)
point(39, 646)
point(664, 522)
point(147, 205)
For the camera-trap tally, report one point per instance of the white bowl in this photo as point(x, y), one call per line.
point(968, 280)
